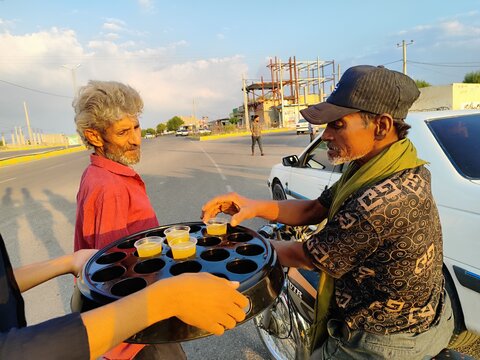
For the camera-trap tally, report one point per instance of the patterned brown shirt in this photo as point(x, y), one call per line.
point(256, 128)
point(384, 247)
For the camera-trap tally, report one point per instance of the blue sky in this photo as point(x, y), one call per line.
point(176, 51)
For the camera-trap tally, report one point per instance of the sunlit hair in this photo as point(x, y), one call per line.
point(101, 103)
point(400, 125)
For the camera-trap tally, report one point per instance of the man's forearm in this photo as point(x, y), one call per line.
point(32, 275)
point(300, 212)
point(291, 254)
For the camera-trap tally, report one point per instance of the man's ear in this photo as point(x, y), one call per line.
point(383, 126)
point(93, 137)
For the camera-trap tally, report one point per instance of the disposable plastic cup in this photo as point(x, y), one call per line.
point(149, 246)
point(217, 226)
point(184, 249)
point(177, 233)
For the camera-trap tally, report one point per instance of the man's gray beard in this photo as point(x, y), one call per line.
point(342, 160)
point(122, 159)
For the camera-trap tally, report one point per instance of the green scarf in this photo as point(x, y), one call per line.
point(399, 156)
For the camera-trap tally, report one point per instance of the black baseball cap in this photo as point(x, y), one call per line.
point(375, 89)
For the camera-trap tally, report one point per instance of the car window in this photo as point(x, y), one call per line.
point(317, 158)
point(460, 139)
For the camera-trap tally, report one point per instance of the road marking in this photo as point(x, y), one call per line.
point(4, 181)
point(229, 188)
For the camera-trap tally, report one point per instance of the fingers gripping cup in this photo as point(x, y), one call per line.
point(217, 226)
point(177, 233)
point(149, 246)
point(183, 249)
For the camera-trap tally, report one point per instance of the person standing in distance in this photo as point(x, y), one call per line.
point(256, 129)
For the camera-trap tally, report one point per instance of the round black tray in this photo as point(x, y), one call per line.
point(241, 255)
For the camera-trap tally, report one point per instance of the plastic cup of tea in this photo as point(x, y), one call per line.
point(183, 249)
point(217, 226)
point(149, 246)
point(177, 233)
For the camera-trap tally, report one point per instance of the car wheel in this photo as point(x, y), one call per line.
point(298, 132)
point(461, 336)
point(277, 191)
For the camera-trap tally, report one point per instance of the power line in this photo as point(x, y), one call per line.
point(465, 64)
point(392, 62)
point(35, 90)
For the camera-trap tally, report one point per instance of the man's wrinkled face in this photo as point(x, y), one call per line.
point(121, 141)
point(348, 139)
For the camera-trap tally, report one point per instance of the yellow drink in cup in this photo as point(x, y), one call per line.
point(177, 233)
point(217, 226)
point(183, 249)
point(149, 246)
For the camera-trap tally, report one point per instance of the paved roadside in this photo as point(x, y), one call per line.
point(11, 158)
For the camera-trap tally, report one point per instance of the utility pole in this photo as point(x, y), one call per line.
point(245, 103)
point(30, 137)
point(193, 112)
point(279, 62)
point(74, 78)
point(404, 46)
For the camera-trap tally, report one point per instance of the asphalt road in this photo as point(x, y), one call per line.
point(37, 213)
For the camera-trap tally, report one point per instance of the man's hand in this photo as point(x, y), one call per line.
point(207, 301)
point(79, 258)
point(241, 208)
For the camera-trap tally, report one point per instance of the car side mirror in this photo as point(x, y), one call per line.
point(291, 160)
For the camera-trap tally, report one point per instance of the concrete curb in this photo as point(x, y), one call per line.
point(243, 133)
point(33, 157)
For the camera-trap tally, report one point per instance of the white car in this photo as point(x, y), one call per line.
point(204, 131)
point(301, 126)
point(450, 142)
point(181, 132)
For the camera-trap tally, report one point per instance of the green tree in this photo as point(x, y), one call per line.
point(422, 83)
point(233, 120)
point(472, 77)
point(174, 123)
point(161, 128)
point(144, 132)
point(150, 131)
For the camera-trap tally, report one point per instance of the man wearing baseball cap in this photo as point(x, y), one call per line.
point(380, 252)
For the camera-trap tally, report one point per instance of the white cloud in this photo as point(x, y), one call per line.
point(167, 84)
point(112, 36)
point(146, 4)
point(114, 25)
point(456, 28)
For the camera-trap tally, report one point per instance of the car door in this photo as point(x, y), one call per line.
point(313, 174)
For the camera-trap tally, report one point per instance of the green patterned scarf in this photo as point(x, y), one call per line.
point(399, 156)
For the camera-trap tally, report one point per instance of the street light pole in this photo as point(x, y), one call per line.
point(404, 46)
point(245, 103)
point(74, 78)
point(30, 137)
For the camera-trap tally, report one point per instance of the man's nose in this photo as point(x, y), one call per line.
point(327, 134)
point(136, 137)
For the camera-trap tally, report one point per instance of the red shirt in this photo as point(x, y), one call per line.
point(111, 203)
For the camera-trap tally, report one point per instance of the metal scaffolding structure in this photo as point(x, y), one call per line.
point(296, 84)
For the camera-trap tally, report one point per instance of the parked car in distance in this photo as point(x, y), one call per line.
point(450, 142)
point(204, 131)
point(149, 136)
point(301, 126)
point(181, 132)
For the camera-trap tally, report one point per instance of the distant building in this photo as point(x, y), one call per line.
point(456, 96)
